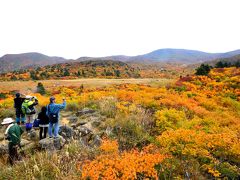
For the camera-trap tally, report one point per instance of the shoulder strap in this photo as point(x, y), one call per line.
point(48, 108)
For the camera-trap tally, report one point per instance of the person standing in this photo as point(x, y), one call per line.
point(20, 117)
point(29, 110)
point(43, 123)
point(53, 110)
point(13, 135)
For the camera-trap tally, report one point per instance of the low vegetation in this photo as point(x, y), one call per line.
point(189, 129)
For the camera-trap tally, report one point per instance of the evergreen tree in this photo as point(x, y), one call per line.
point(204, 69)
point(219, 64)
point(66, 73)
point(40, 89)
point(117, 73)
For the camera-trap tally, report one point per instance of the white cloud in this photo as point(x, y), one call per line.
point(77, 28)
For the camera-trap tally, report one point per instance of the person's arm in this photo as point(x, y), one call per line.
point(35, 102)
point(14, 103)
point(62, 106)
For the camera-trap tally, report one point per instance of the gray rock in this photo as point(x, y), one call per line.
point(84, 130)
point(33, 135)
point(84, 140)
point(73, 126)
point(85, 111)
point(73, 119)
point(108, 130)
point(81, 123)
point(51, 144)
point(47, 144)
point(59, 142)
point(96, 123)
point(76, 134)
point(66, 132)
point(96, 141)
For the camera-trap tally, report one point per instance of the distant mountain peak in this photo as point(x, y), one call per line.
point(10, 62)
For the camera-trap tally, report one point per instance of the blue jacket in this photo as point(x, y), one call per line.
point(55, 108)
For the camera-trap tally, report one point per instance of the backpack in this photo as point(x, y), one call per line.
point(26, 109)
point(53, 117)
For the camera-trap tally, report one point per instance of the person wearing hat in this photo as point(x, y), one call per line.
point(13, 135)
point(53, 110)
point(18, 100)
point(29, 110)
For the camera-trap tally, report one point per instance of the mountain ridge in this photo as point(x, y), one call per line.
point(11, 62)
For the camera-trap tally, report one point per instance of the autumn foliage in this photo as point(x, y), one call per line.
point(132, 164)
point(189, 129)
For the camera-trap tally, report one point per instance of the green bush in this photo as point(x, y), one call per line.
point(227, 170)
point(40, 89)
point(3, 96)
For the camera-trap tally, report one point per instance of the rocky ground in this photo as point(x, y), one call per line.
point(81, 127)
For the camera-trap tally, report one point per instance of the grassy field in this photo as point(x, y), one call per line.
point(29, 86)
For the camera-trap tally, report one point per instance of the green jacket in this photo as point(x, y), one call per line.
point(28, 106)
point(14, 134)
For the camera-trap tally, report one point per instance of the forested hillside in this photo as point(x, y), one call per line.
point(73, 70)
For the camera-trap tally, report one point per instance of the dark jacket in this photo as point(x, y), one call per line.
point(14, 134)
point(18, 103)
point(42, 116)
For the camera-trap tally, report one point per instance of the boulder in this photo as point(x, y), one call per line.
point(84, 140)
point(85, 111)
point(66, 132)
point(109, 130)
point(73, 119)
point(96, 141)
point(81, 123)
point(59, 142)
point(95, 123)
point(33, 135)
point(51, 144)
point(47, 144)
point(83, 130)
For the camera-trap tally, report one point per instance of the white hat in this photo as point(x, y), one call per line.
point(28, 97)
point(7, 121)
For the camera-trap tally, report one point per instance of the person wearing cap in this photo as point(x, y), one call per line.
point(18, 107)
point(13, 134)
point(54, 109)
point(28, 109)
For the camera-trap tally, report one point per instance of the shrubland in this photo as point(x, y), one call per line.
point(189, 129)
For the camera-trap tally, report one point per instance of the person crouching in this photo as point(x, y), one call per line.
point(13, 135)
point(43, 123)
